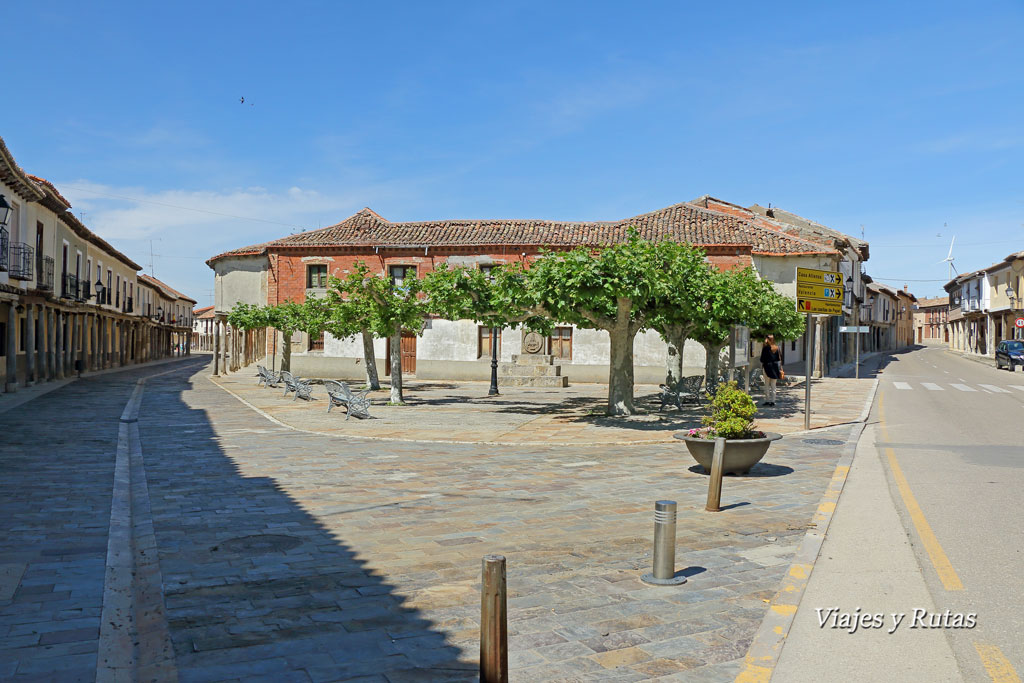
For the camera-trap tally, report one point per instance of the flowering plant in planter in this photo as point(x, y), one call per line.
point(732, 413)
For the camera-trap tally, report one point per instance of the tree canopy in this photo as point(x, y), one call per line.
point(622, 289)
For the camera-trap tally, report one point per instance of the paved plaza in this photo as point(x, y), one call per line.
point(462, 412)
point(289, 551)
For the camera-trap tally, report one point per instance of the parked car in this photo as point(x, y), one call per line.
point(1010, 353)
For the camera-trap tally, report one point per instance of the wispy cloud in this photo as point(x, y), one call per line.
point(974, 141)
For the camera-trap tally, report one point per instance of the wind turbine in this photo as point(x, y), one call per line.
point(949, 259)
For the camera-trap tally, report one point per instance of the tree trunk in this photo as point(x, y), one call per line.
point(372, 381)
point(620, 374)
point(712, 352)
point(674, 360)
point(286, 352)
point(396, 368)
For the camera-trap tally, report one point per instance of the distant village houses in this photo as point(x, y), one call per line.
point(984, 306)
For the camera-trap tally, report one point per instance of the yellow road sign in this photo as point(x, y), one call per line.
point(826, 292)
point(818, 306)
point(810, 276)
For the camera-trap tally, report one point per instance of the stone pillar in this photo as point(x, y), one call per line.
point(73, 340)
point(11, 383)
point(59, 346)
point(216, 350)
point(45, 345)
point(226, 347)
point(51, 343)
point(30, 345)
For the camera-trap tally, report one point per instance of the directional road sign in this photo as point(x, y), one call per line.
point(825, 292)
point(862, 329)
point(819, 291)
point(819, 307)
point(818, 277)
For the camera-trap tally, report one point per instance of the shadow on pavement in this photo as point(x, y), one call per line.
point(254, 585)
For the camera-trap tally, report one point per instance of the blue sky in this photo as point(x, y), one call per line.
point(905, 118)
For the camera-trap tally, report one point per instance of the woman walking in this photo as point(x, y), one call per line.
point(771, 361)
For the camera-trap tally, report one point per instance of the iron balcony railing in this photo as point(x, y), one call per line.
point(4, 238)
point(69, 286)
point(84, 289)
point(22, 261)
point(45, 281)
point(128, 305)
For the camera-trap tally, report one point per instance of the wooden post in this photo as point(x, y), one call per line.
point(715, 480)
point(493, 622)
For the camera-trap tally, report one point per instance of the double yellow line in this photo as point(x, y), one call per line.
point(996, 664)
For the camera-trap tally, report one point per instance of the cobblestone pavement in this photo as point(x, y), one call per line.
point(295, 556)
point(462, 412)
point(56, 478)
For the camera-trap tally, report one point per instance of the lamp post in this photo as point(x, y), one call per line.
point(855, 306)
point(5, 210)
point(98, 291)
point(1011, 294)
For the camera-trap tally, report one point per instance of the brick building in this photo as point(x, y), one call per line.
point(296, 266)
point(930, 321)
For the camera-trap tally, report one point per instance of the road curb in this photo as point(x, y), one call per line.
point(764, 651)
point(131, 647)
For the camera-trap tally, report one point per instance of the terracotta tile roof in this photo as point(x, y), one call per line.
point(681, 223)
point(168, 291)
point(204, 313)
point(13, 175)
point(937, 301)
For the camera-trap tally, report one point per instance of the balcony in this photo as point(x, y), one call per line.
point(4, 238)
point(128, 305)
point(69, 287)
point(22, 261)
point(84, 289)
point(45, 281)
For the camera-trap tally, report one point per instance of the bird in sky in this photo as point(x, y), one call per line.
point(241, 100)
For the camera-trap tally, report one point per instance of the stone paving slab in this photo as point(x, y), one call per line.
point(286, 554)
point(461, 412)
point(56, 478)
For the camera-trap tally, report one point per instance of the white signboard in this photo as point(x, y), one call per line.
point(741, 346)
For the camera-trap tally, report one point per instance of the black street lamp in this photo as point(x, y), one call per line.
point(98, 291)
point(5, 210)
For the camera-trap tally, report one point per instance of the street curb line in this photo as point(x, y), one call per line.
point(869, 402)
point(132, 585)
point(764, 651)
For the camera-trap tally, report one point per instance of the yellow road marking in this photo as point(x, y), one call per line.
point(996, 664)
point(940, 562)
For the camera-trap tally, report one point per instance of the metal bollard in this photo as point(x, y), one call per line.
point(664, 573)
point(715, 480)
point(493, 622)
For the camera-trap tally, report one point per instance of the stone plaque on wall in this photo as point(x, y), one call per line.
point(533, 343)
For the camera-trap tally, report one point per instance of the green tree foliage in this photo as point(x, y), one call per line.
point(622, 289)
point(739, 297)
point(349, 317)
point(248, 316)
point(499, 298)
point(390, 308)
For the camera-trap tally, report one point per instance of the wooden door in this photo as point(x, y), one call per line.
point(560, 343)
point(408, 351)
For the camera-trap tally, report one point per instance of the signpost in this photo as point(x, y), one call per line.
point(1019, 323)
point(818, 292)
point(854, 329)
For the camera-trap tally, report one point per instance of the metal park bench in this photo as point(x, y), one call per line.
point(686, 390)
point(267, 378)
point(339, 394)
point(301, 387)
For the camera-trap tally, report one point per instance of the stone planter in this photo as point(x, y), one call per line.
point(740, 454)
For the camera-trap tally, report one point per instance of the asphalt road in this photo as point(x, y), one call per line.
point(954, 428)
